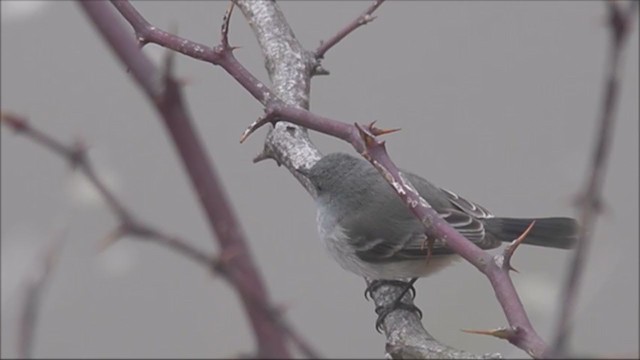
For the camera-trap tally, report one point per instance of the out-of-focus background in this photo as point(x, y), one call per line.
point(497, 101)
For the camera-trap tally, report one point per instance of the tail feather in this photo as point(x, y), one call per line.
point(557, 232)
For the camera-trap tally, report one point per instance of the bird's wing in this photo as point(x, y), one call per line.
point(467, 206)
point(463, 215)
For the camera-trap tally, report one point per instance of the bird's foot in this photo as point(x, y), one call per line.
point(375, 284)
point(383, 311)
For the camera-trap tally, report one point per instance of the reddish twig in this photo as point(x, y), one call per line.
point(167, 99)
point(127, 227)
point(364, 18)
point(128, 224)
point(34, 287)
point(620, 22)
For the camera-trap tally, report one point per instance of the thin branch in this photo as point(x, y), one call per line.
point(34, 286)
point(366, 143)
point(167, 99)
point(364, 18)
point(128, 225)
point(129, 228)
point(620, 23)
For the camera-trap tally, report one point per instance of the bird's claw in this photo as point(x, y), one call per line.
point(383, 311)
point(375, 284)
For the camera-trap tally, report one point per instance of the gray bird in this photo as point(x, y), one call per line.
point(369, 231)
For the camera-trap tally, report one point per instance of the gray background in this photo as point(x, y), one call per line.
point(497, 101)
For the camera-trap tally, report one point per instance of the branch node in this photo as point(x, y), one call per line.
point(16, 122)
point(511, 248)
point(596, 203)
point(77, 155)
point(141, 40)
point(111, 238)
point(367, 18)
point(221, 263)
point(369, 138)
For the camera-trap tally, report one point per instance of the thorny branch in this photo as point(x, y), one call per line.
point(75, 154)
point(365, 142)
point(365, 18)
point(166, 96)
point(77, 157)
point(620, 23)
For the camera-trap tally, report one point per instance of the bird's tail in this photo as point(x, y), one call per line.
point(556, 232)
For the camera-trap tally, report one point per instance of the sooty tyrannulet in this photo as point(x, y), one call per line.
point(370, 231)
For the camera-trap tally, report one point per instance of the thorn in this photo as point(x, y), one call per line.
point(220, 264)
point(511, 268)
point(319, 70)
point(265, 155)
point(511, 248)
point(377, 131)
point(224, 31)
point(366, 19)
point(111, 237)
point(501, 333)
point(268, 117)
point(368, 138)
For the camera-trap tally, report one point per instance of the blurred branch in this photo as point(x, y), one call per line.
point(127, 227)
point(34, 286)
point(620, 24)
point(75, 154)
point(270, 333)
point(166, 96)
